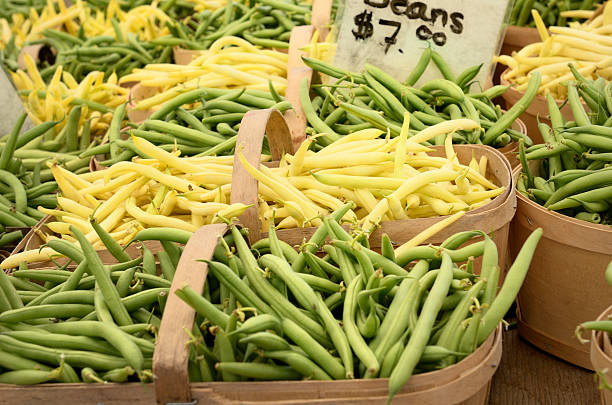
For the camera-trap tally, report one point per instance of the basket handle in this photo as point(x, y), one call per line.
point(171, 353)
point(321, 16)
point(296, 71)
point(253, 127)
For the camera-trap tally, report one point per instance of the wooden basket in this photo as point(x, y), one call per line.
point(139, 92)
point(320, 19)
point(492, 218)
point(537, 110)
point(565, 284)
point(515, 39)
point(32, 240)
point(601, 355)
point(466, 383)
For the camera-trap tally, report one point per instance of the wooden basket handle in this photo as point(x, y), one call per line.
point(171, 353)
point(253, 127)
point(296, 71)
point(321, 16)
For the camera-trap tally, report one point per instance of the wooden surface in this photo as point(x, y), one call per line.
point(529, 376)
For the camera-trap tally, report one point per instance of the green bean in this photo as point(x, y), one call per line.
point(517, 109)
point(63, 341)
point(202, 306)
point(21, 200)
point(272, 296)
point(359, 346)
point(45, 311)
point(111, 296)
point(312, 117)
point(421, 333)
point(313, 349)
point(164, 234)
point(299, 363)
point(266, 341)
point(241, 291)
point(420, 67)
point(512, 282)
point(9, 146)
point(77, 358)
point(29, 377)
point(442, 66)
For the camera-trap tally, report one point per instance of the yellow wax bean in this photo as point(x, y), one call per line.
point(209, 178)
point(341, 159)
point(287, 193)
point(296, 167)
point(152, 173)
point(118, 198)
point(101, 187)
point(376, 215)
point(400, 151)
point(476, 196)
point(230, 212)
point(28, 256)
point(432, 161)
point(363, 135)
point(74, 207)
point(58, 227)
point(396, 208)
point(359, 182)
point(446, 127)
point(439, 192)
point(204, 209)
point(589, 36)
point(541, 27)
point(167, 206)
point(287, 223)
point(156, 220)
point(413, 200)
point(429, 232)
point(166, 157)
point(361, 170)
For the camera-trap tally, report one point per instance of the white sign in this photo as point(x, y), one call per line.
point(392, 34)
point(11, 106)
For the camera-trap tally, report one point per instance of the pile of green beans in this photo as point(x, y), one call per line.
point(268, 312)
point(574, 176)
point(550, 11)
point(210, 128)
point(79, 56)
point(102, 320)
point(10, 7)
point(267, 23)
point(25, 180)
point(374, 99)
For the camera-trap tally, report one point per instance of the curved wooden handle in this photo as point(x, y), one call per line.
point(253, 127)
point(296, 71)
point(171, 353)
point(321, 16)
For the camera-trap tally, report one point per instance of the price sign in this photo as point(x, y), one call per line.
point(392, 34)
point(11, 106)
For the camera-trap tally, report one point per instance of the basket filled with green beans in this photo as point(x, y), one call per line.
point(201, 122)
point(564, 187)
point(598, 332)
point(391, 326)
point(118, 307)
point(265, 23)
point(374, 99)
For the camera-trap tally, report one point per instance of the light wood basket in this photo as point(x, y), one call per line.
point(565, 283)
point(492, 218)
